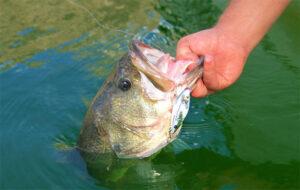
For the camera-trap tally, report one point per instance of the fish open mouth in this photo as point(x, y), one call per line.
point(162, 69)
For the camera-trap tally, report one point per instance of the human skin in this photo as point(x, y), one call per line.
point(227, 45)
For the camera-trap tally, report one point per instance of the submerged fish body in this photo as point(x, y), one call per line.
point(140, 108)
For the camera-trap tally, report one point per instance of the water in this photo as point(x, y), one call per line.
point(54, 55)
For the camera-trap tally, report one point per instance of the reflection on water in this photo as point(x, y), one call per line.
point(31, 26)
point(54, 56)
point(190, 169)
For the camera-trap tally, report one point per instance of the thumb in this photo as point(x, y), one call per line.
point(183, 50)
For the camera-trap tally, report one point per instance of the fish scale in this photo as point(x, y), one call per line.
point(141, 107)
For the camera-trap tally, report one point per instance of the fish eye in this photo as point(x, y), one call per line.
point(124, 84)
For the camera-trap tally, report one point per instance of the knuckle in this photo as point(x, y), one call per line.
point(183, 41)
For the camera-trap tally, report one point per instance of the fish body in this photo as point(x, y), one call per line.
point(141, 106)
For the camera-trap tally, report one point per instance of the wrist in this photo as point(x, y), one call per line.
point(231, 40)
point(246, 22)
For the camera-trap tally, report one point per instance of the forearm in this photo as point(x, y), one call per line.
point(247, 21)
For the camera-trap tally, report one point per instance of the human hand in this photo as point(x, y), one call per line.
point(224, 59)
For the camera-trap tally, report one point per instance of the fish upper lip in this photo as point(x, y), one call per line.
point(135, 48)
point(152, 72)
point(148, 61)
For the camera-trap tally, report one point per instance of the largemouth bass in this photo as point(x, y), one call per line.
point(141, 107)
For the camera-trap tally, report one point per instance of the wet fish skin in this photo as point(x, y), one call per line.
point(131, 114)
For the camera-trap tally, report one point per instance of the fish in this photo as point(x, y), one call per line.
point(141, 106)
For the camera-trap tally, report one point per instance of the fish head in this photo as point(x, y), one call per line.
point(143, 104)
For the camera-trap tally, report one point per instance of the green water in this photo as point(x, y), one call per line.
point(54, 56)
